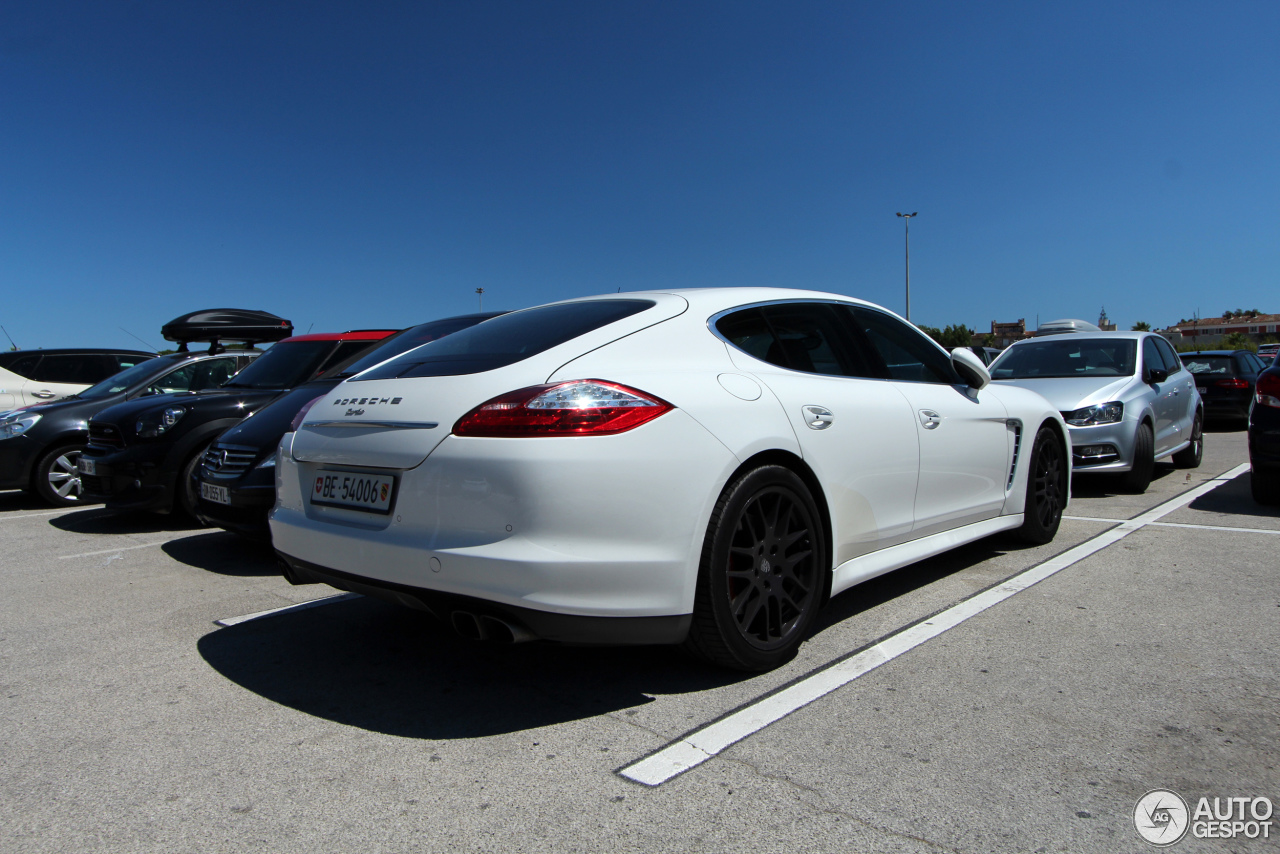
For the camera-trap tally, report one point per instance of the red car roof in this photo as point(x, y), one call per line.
point(352, 335)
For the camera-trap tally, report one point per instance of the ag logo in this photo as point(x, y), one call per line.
point(1161, 817)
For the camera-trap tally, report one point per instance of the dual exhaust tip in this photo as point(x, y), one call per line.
point(486, 627)
point(477, 627)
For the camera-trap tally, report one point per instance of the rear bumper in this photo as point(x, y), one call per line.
point(564, 628)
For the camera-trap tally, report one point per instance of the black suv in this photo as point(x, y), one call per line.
point(236, 482)
point(29, 377)
point(142, 453)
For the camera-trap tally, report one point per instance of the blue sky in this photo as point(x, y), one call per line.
point(361, 165)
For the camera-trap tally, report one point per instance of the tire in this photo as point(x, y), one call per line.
point(56, 479)
point(184, 495)
point(762, 574)
point(1190, 456)
point(1138, 478)
point(1265, 485)
point(1046, 490)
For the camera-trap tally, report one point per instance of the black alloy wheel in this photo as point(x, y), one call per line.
point(1190, 456)
point(1046, 489)
point(762, 574)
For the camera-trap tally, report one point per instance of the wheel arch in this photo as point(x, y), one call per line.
point(788, 460)
point(67, 437)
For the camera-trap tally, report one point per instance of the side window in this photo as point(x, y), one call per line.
point(907, 354)
point(1171, 361)
point(68, 369)
point(25, 366)
point(808, 337)
point(194, 376)
point(211, 373)
point(1151, 358)
point(123, 361)
point(748, 331)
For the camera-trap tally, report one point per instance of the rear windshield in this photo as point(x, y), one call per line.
point(285, 365)
point(1067, 357)
point(406, 340)
point(1223, 366)
point(129, 377)
point(506, 340)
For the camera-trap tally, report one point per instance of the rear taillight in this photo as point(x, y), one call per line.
point(1234, 382)
point(576, 408)
point(1269, 390)
point(302, 413)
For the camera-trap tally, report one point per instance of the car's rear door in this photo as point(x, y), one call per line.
point(855, 432)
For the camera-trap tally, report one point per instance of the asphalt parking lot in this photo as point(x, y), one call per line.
point(1135, 652)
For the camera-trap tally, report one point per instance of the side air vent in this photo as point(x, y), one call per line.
point(1015, 427)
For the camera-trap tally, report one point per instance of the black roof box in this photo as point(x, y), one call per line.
point(226, 324)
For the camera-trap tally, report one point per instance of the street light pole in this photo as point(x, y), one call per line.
point(906, 221)
point(480, 295)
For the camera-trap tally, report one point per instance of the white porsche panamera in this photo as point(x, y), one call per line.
point(702, 467)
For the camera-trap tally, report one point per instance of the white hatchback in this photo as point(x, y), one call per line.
point(702, 467)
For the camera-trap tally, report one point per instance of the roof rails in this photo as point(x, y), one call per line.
point(225, 324)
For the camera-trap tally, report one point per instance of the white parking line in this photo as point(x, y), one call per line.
point(38, 515)
point(1178, 525)
point(707, 741)
point(130, 548)
point(301, 606)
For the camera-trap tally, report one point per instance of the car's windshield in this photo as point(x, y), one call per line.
point(406, 340)
point(285, 365)
point(506, 340)
point(126, 379)
point(1210, 365)
point(1067, 357)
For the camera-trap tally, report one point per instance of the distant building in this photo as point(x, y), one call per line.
point(1209, 330)
point(1004, 334)
point(1105, 325)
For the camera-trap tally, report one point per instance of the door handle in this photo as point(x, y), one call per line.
point(43, 395)
point(930, 419)
point(818, 417)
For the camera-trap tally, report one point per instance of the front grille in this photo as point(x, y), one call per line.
point(223, 461)
point(93, 485)
point(105, 435)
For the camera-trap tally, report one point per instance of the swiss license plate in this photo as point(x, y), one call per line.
point(354, 490)
point(216, 494)
point(87, 466)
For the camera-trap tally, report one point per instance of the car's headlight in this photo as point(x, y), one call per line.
point(268, 463)
point(1103, 413)
point(17, 426)
point(158, 423)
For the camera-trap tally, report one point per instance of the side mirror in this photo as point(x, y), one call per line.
point(970, 367)
point(1157, 375)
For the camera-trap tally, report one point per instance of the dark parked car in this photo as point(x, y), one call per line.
point(141, 453)
point(28, 377)
point(40, 446)
point(236, 484)
point(1226, 380)
point(1264, 437)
